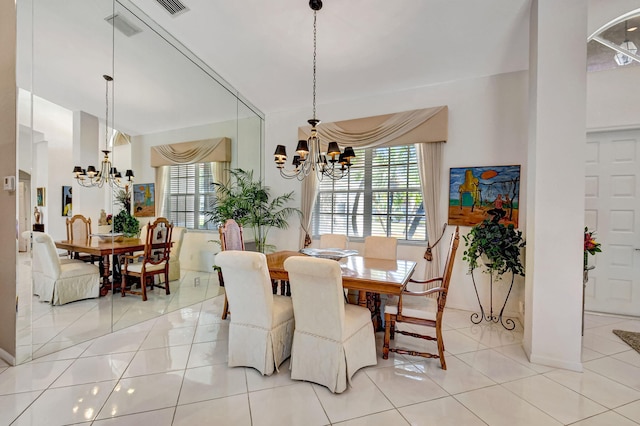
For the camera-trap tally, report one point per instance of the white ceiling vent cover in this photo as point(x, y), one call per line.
point(174, 7)
point(123, 25)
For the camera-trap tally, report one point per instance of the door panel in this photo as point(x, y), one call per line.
point(612, 209)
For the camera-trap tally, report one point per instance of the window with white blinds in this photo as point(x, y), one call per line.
point(381, 196)
point(190, 193)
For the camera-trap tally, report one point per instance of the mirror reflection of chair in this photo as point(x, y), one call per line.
point(231, 238)
point(61, 281)
point(418, 309)
point(155, 260)
point(332, 339)
point(262, 324)
point(79, 228)
point(174, 261)
point(338, 241)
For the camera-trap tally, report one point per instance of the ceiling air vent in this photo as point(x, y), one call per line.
point(174, 7)
point(123, 25)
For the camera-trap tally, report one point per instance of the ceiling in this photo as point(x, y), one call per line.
point(365, 47)
point(264, 50)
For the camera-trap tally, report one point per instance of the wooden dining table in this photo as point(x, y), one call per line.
point(366, 275)
point(103, 249)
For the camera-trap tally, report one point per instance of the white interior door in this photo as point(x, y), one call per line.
point(612, 209)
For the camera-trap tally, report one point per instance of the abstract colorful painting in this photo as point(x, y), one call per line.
point(67, 200)
point(144, 204)
point(479, 193)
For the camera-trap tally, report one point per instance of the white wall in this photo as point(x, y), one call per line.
point(53, 161)
point(487, 126)
point(611, 99)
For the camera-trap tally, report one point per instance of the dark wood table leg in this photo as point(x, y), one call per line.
point(372, 302)
point(104, 289)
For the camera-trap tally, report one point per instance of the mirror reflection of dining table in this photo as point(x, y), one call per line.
point(102, 249)
point(370, 277)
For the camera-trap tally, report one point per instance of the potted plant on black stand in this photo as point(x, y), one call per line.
point(495, 248)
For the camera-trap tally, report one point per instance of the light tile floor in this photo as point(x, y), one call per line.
point(172, 370)
point(43, 328)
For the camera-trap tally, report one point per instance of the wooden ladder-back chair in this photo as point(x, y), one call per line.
point(155, 259)
point(79, 228)
point(230, 239)
point(417, 308)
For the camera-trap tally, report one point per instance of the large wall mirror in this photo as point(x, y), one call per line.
point(160, 95)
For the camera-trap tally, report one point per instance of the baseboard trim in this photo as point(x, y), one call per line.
point(556, 363)
point(7, 357)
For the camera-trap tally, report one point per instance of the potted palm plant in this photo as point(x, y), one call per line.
point(249, 202)
point(495, 248)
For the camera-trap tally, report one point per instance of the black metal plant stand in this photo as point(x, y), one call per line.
point(477, 318)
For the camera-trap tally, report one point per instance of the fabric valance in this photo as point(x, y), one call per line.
point(402, 128)
point(202, 151)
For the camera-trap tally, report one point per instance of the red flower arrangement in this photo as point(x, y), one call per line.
point(591, 246)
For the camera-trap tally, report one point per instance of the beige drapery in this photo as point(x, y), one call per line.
point(162, 178)
point(420, 127)
point(429, 156)
point(201, 151)
point(216, 151)
point(307, 203)
point(401, 128)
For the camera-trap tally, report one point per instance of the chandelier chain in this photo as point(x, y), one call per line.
point(314, 63)
point(310, 158)
point(106, 115)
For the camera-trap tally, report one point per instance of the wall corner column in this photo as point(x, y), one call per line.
point(555, 183)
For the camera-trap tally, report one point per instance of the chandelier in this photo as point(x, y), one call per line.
point(628, 46)
point(309, 158)
point(90, 177)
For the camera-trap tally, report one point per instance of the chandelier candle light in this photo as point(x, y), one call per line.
point(334, 164)
point(90, 177)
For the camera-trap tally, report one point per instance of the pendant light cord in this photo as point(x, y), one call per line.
point(314, 63)
point(106, 114)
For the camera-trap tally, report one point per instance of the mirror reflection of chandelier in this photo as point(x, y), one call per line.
point(620, 58)
point(309, 157)
point(91, 177)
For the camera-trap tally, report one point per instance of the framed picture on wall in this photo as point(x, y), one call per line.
point(41, 197)
point(144, 204)
point(66, 201)
point(479, 193)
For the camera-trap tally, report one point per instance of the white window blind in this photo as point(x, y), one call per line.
point(381, 196)
point(190, 192)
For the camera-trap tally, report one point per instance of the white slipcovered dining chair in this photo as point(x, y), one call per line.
point(60, 282)
point(381, 247)
point(261, 327)
point(174, 260)
point(332, 340)
point(338, 241)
